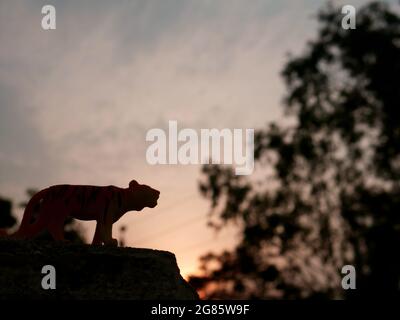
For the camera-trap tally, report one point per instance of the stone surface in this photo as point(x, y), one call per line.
point(89, 272)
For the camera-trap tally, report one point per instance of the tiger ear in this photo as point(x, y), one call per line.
point(133, 184)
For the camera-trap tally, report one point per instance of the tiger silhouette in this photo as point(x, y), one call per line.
point(49, 208)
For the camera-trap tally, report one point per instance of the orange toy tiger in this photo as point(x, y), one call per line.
point(50, 207)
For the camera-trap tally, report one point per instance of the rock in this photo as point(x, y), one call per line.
point(89, 272)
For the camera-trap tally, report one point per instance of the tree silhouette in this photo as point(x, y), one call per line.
point(326, 191)
point(7, 219)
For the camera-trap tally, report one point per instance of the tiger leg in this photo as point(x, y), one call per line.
point(98, 238)
point(56, 228)
point(108, 224)
point(34, 229)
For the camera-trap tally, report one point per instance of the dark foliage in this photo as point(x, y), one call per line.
point(7, 219)
point(326, 191)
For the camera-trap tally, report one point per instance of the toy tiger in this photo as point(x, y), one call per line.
point(49, 208)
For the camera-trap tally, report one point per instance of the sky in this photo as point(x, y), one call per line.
point(76, 102)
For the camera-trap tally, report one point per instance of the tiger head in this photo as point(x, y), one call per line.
point(142, 196)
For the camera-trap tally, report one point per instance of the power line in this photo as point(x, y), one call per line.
point(203, 242)
point(170, 206)
point(170, 229)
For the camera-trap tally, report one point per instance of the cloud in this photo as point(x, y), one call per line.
point(84, 95)
point(109, 73)
point(76, 103)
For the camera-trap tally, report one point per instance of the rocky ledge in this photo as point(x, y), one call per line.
point(88, 272)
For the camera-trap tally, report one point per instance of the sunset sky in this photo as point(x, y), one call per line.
point(76, 102)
